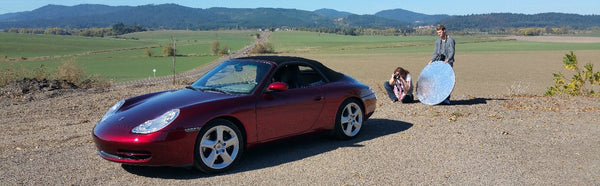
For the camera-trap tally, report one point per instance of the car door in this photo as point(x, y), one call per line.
point(289, 112)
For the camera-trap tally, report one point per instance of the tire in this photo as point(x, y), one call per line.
point(349, 120)
point(219, 145)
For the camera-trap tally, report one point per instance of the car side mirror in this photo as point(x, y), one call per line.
point(277, 87)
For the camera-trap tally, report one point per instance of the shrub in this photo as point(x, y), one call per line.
point(40, 73)
point(11, 72)
point(7, 74)
point(94, 81)
point(577, 85)
point(265, 48)
point(217, 49)
point(69, 71)
point(224, 50)
point(214, 47)
point(168, 50)
point(148, 52)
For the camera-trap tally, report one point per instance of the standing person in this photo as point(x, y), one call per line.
point(399, 86)
point(444, 50)
point(444, 47)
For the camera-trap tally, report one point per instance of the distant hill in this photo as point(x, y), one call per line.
point(173, 16)
point(58, 12)
point(332, 13)
point(369, 21)
point(508, 20)
point(411, 17)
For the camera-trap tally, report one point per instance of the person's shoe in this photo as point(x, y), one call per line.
point(446, 102)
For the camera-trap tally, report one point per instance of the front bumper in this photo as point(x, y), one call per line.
point(370, 102)
point(155, 149)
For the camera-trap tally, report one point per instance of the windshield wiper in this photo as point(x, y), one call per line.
point(193, 88)
point(214, 90)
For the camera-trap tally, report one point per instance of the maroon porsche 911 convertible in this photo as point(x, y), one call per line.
point(237, 105)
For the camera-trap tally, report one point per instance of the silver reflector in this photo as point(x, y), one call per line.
point(435, 83)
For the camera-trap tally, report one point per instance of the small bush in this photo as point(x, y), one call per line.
point(214, 47)
point(41, 73)
point(217, 49)
point(265, 48)
point(148, 52)
point(224, 50)
point(69, 71)
point(6, 75)
point(577, 85)
point(10, 73)
point(168, 50)
point(94, 81)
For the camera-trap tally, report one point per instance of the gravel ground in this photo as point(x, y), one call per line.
point(496, 132)
point(506, 140)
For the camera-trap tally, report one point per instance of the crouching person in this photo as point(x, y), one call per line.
point(399, 86)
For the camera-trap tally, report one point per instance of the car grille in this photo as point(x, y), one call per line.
point(128, 155)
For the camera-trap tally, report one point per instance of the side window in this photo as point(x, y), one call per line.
point(298, 76)
point(310, 77)
point(289, 74)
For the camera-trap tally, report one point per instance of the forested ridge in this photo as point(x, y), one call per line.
point(173, 16)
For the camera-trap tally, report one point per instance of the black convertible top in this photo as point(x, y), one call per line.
point(329, 73)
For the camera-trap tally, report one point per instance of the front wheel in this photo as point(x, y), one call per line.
point(219, 145)
point(348, 120)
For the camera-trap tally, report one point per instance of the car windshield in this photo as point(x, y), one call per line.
point(233, 77)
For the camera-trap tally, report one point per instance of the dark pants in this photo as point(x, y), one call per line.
point(390, 92)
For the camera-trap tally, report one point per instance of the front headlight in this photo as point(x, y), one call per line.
point(112, 110)
point(154, 125)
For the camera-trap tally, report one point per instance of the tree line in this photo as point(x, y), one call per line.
point(361, 31)
point(115, 30)
point(430, 30)
point(488, 22)
point(120, 29)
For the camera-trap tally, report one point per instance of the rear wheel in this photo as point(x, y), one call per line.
point(349, 120)
point(219, 145)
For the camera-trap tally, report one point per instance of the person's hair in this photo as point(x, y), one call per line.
point(402, 72)
point(440, 27)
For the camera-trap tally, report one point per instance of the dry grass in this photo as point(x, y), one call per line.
point(556, 39)
point(477, 74)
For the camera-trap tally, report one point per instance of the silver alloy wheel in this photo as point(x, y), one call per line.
point(219, 147)
point(351, 119)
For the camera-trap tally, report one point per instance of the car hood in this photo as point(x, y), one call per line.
point(137, 110)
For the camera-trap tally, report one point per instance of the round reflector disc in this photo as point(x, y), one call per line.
point(435, 83)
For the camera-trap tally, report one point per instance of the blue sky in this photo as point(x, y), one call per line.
point(451, 7)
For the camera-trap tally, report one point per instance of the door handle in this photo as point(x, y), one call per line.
point(318, 98)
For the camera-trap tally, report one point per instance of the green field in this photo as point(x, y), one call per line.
point(27, 45)
point(310, 42)
point(117, 59)
point(121, 60)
